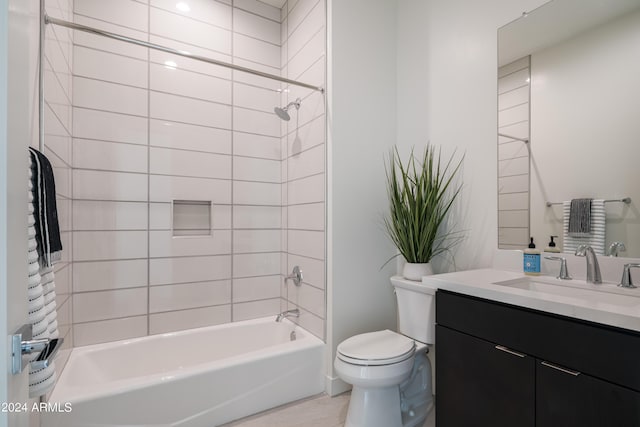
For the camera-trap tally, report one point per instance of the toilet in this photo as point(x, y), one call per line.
point(389, 371)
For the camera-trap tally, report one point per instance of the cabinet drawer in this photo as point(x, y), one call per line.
point(604, 352)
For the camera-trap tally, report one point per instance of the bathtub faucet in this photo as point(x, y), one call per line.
point(289, 313)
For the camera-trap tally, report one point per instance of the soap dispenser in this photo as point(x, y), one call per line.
point(531, 260)
point(552, 246)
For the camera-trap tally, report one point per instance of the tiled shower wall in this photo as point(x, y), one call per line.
point(57, 124)
point(303, 174)
point(150, 128)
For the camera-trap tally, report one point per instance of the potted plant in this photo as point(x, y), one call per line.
point(421, 194)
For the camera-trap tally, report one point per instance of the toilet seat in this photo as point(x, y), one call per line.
point(376, 349)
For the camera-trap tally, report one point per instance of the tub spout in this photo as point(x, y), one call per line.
point(289, 313)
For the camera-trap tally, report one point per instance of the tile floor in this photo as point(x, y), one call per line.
point(317, 411)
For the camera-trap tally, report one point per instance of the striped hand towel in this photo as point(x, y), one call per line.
point(595, 238)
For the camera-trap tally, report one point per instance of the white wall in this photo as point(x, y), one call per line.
point(362, 128)
point(454, 44)
point(584, 126)
point(18, 113)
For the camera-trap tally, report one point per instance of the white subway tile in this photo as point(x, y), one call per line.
point(211, 12)
point(166, 161)
point(305, 58)
point(107, 126)
point(306, 217)
point(164, 244)
point(312, 106)
point(188, 319)
point(259, 8)
point(249, 265)
point(103, 215)
point(298, 10)
point(189, 269)
point(307, 190)
point(312, 269)
point(60, 145)
point(168, 188)
point(67, 244)
point(109, 97)
point(80, 38)
point(256, 122)
point(310, 162)
point(256, 216)
point(110, 67)
point(184, 63)
point(309, 135)
point(516, 166)
point(510, 150)
point(311, 323)
point(104, 305)
point(256, 26)
point(248, 144)
point(256, 50)
point(513, 219)
point(518, 130)
point(52, 125)
point(187, 30)
point(256, 193)
point(64, 213)
point(188, 83)
point(240, 76)
point(187, 110)
point(256, 309)
point(251, 169)
point(513, 201)
point(513, 184)
point(307, 297)
point(122, 12)
point(63, 280)
point(306, 243)
point(109, 330)
point(255, 288)
point(515, 97)
point(189, 137)
point(255, 98)
point(109, 245)
point(513, 115)
point(247, 241)
point(513, 66)
point(313, 22)
point(513, 81)
point(107, 275)
point(189, 295)
point(112, 156)
point(62, 178)
point(99, 185)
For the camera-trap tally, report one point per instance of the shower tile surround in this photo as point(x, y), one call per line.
point(149, 128)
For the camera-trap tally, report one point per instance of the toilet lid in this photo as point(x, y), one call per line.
point(376, 348)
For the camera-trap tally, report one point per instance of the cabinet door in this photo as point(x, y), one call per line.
point(568, 398)
point(481, 384)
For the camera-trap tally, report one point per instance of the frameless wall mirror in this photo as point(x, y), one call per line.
point(569, 120)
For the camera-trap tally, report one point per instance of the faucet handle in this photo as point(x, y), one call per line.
point(564, 271)
point(581, 250)
point(296, 276)
point(625, 281)
point(616, 247)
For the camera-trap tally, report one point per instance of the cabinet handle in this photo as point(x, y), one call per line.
point(561, 369)
point(507, 350)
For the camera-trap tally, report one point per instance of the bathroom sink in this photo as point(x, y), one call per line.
point(577, 289)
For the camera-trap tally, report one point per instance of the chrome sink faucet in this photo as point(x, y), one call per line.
point(289, 313)
point(593, 268)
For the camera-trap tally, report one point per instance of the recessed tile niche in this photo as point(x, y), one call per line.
point(191, 218)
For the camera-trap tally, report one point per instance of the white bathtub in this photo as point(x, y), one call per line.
point(200, 377)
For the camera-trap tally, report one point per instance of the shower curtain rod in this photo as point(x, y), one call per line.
point(74, 26)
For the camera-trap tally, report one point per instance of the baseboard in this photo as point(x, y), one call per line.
point(334, 386)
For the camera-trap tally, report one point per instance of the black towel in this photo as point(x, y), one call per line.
point(580, 218)
point(45, 210)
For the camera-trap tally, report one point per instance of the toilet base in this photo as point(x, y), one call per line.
point(374, 407)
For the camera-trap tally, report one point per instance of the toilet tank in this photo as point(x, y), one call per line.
point(416, 309)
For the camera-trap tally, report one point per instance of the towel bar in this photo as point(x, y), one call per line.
point(625, 200)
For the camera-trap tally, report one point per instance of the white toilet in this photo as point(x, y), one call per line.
point(389, 371)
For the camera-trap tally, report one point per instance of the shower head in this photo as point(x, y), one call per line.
point(283, 112)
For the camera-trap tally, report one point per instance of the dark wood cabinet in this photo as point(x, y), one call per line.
point(481, 385)
point(503, 365)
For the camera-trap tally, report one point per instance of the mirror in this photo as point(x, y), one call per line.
point(569, 122)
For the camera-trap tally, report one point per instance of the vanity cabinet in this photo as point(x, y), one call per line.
point(504, 365)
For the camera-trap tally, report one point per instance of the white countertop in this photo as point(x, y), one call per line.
point(583, 305)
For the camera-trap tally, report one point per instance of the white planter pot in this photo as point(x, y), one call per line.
point(415, 272)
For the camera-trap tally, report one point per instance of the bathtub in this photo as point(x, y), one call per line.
point(196, 378)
